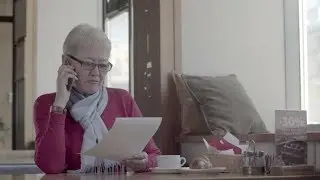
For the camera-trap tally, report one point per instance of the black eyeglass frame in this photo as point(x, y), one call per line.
point(102, 67)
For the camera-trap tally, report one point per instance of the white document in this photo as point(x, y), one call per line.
point(235, 141)
point(210, 149)
point(126, 138)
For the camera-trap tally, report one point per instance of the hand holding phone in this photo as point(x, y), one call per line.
point(65, 80)
point(70, 80)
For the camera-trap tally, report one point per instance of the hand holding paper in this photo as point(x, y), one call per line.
point(137, 162)
point(127, 137)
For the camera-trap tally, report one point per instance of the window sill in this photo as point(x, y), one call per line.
point(16, 157)
point(264, 137)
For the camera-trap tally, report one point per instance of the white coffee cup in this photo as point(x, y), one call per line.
point(171, 161)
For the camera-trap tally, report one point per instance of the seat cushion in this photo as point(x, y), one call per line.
point(224, 104)
point(192, 120)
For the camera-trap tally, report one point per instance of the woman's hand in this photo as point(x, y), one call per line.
point(137, 162)
point(62, 95)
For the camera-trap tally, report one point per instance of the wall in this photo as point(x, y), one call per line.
point(6, 84)
point(55, 19)
point(243, 37)
point(218, 37)
point(170, 60)
point(46, 29)
point(5, 76)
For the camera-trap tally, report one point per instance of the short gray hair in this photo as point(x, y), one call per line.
point(85, 40)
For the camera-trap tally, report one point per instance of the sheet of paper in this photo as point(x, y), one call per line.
point(231, 139)
point(127, 137)
point(235, 141)
point(210, 149)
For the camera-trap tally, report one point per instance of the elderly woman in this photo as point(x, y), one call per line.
point(74, 119)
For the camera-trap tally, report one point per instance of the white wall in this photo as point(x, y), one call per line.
point(243, 37)
point(218, 37)
point(55, 19)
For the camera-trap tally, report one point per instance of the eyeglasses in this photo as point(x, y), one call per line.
point(90, 66)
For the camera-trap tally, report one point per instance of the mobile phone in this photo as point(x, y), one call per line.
point(70, 80)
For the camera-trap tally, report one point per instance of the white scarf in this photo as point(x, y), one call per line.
point(87, 111)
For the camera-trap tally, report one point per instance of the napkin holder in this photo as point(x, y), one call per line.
point(254, 161)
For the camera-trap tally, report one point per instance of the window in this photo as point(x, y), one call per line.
point(6, 8)
point(117, 30)
point(310, 58)
point(302, 56)
point(117, 27)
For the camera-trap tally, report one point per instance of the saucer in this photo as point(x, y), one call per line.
point(159, 170)
point(215, 170)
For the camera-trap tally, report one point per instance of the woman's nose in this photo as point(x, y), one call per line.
point(95, 71)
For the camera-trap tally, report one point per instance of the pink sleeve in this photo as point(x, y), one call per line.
point(50, 150)
point(151, 149)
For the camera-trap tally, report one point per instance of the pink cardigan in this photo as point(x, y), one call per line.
point(59, 138)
